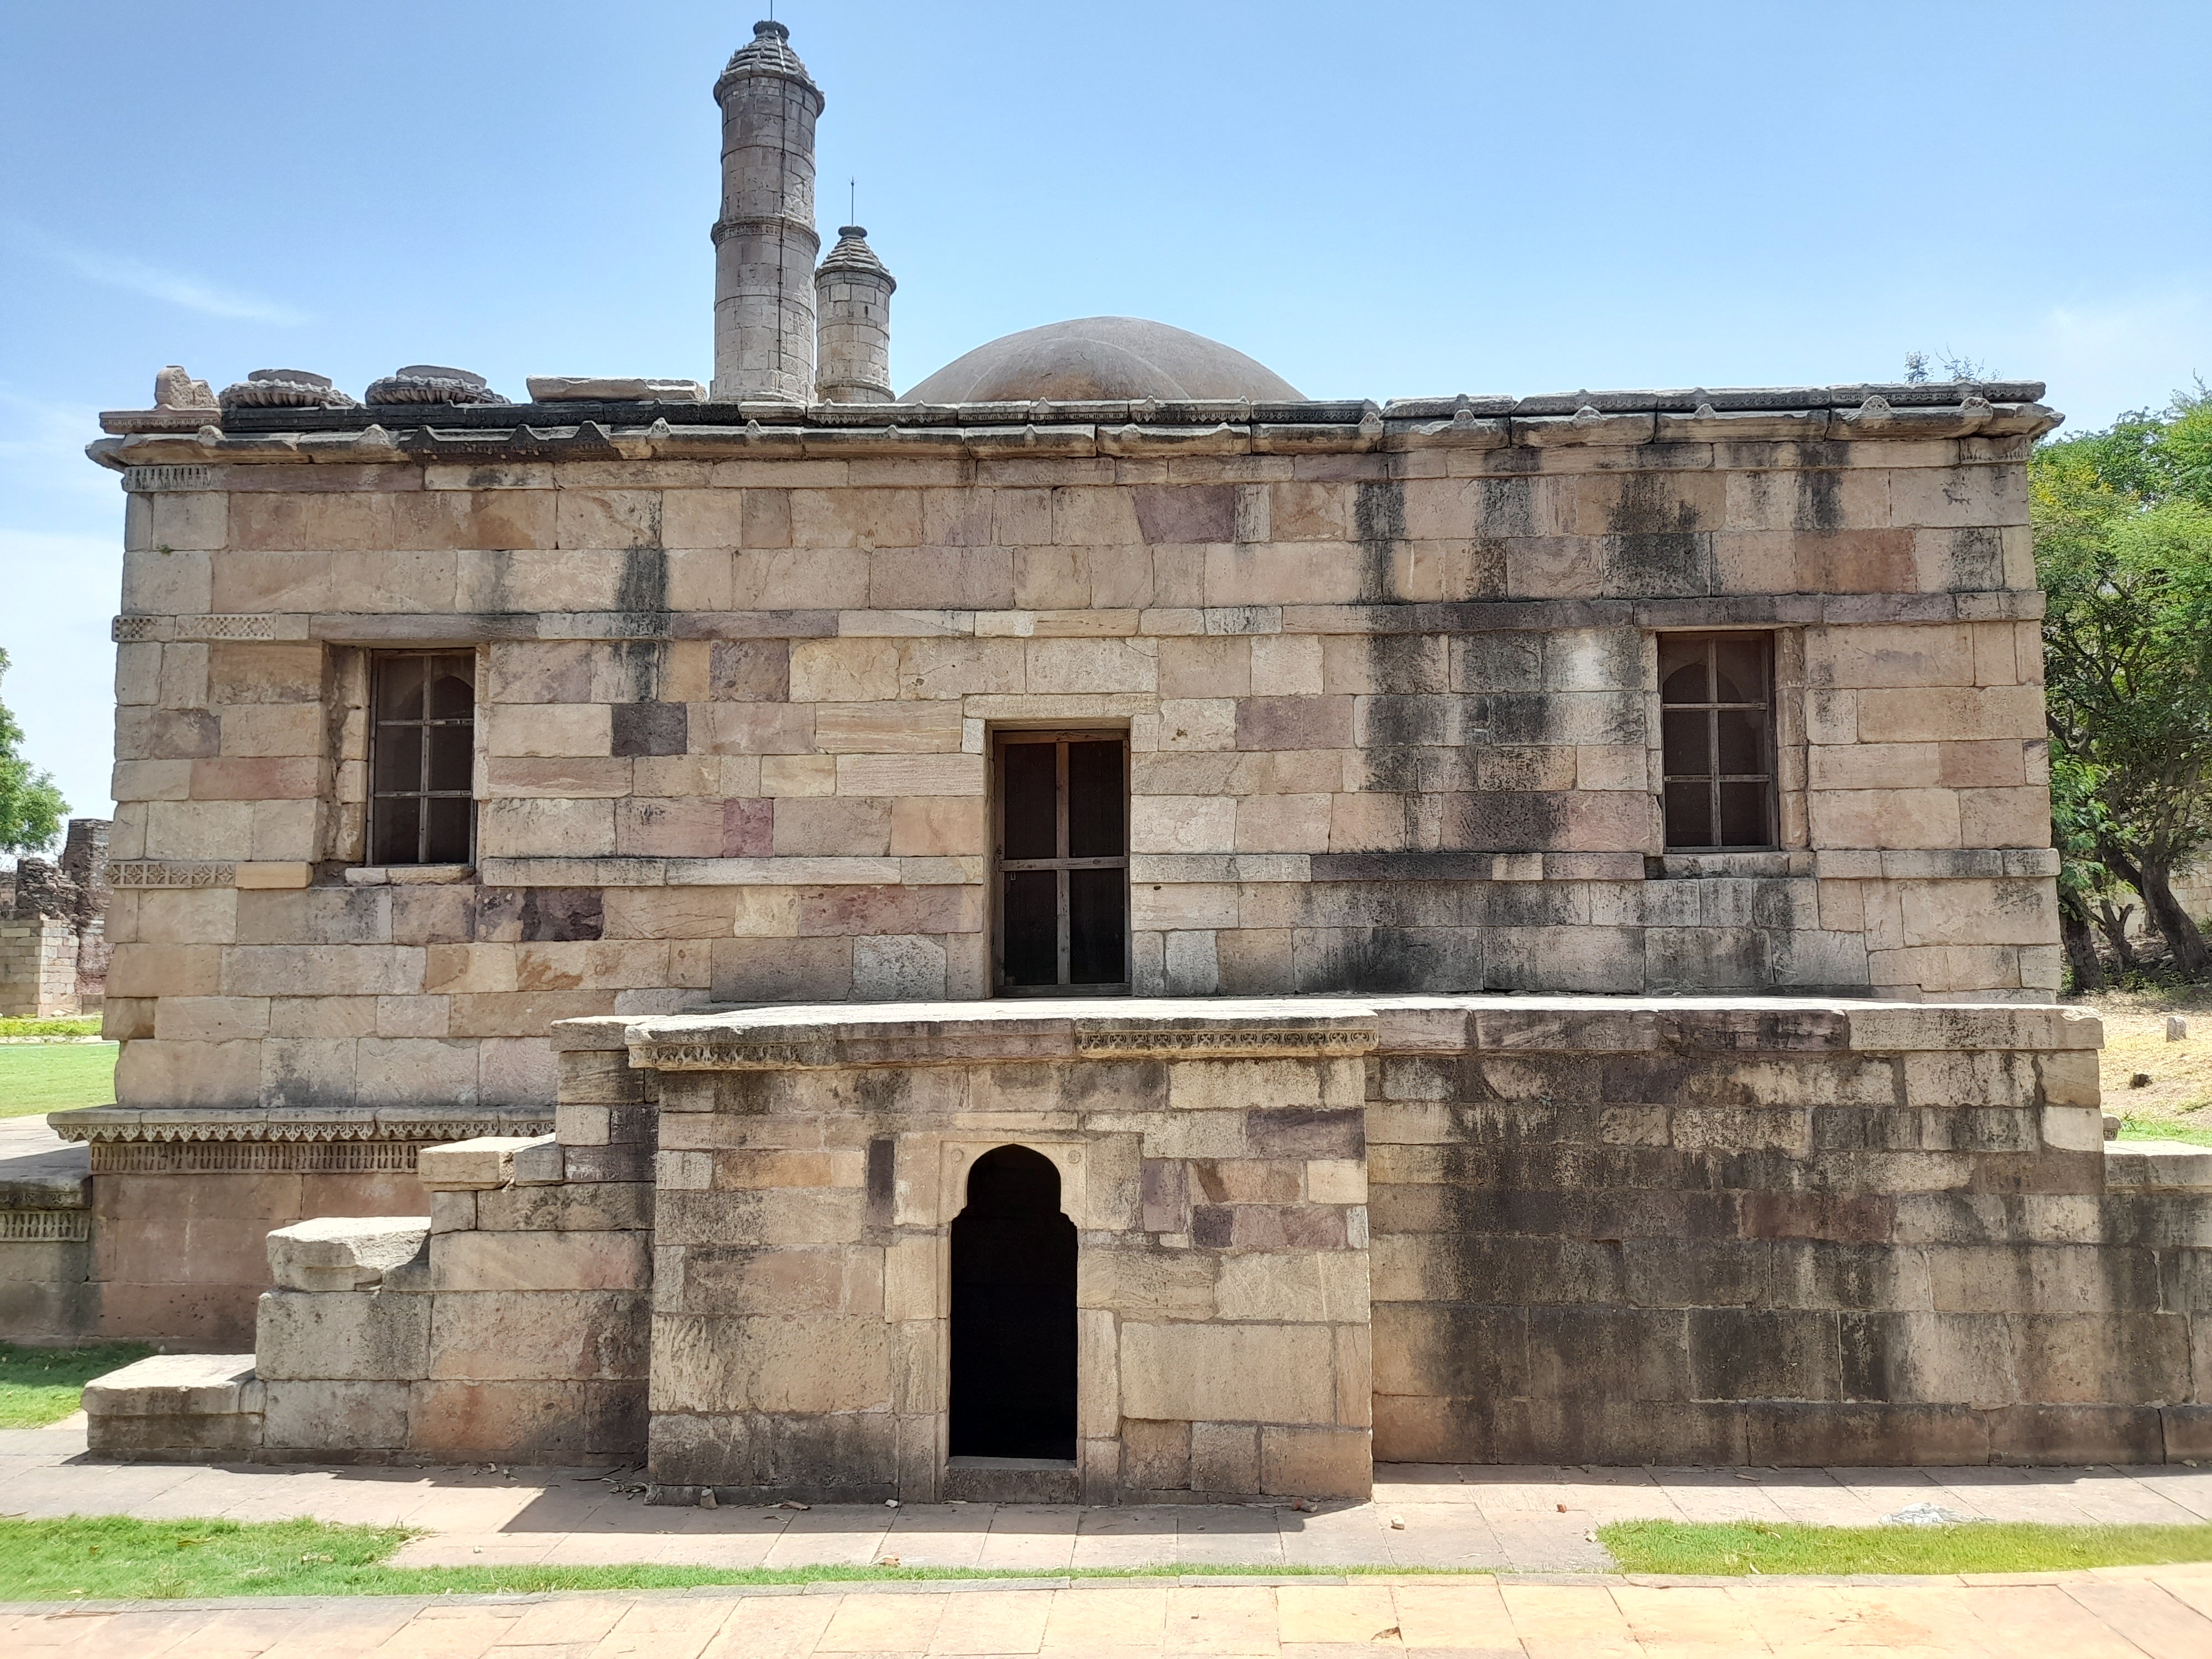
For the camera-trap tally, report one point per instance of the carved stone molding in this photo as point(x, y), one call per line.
point(142, 479)
point(224, 628)
point(1263, 1043)
point(112, 1126)
point(172, 873)
point(734, 1056)
point(44, 1226)
point(135, 630)
point(256, 1156)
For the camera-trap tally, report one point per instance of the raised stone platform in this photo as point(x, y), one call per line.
point(1312, 1235)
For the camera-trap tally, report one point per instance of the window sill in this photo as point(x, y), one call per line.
point(410, 875)
point(1751, 863)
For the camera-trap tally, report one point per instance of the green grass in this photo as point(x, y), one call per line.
point(38, 1386)
point(51, 1077)
point(1741, 1548)
point(111, 1558)
point(2142, 1129)
point(74, 1025)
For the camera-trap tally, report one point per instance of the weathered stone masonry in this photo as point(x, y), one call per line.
point(1387, 681)
point(1312, 1232)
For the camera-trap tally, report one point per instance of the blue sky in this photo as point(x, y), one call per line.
point(1379, 201)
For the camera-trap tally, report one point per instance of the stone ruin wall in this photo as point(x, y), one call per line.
point(53, 945)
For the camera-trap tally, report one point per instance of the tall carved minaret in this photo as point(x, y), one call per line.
point(853, 291)
point(764, 242)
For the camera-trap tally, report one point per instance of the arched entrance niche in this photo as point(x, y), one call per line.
point(1013, 1312)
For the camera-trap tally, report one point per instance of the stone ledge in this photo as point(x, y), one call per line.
point(1464, 617)
point(2157, 1166)
point(475, 1165)
point(101, 1125)
point(826, 1035)
point(344, 1253)
point(177, 1385)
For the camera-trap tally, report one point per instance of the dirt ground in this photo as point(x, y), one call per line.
point(2175, 1103)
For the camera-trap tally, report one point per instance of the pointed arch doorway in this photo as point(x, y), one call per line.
point(1013, 1313)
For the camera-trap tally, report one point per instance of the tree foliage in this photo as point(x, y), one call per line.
point(31, 807)
point(2122, 521)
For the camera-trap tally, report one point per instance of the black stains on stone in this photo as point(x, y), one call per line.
point(1820, 500)
point(881, 1148)
point(1504, 821)
point(1361, 959)
point(1498, 661)
point(1378, 517)
point(642, 588)
point(1409, 663)
point(651, 728)
point(551, 915)
point(638, 666)
point(1505, 507)
point(1657, 546)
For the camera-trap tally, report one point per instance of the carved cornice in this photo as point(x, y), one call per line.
point(112, 1125)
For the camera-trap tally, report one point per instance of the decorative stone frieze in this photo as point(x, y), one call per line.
point(172, 873)
point(44, 1226)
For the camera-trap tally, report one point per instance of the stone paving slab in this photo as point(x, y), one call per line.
point(2164, 1612)
point(1467, 1518)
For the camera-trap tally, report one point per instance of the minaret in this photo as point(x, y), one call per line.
point(853, 292)
point(764, 242)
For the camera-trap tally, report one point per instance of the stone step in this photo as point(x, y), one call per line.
point(176, 1408)
point(2159, 1165)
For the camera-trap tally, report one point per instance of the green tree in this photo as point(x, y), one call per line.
point(31, 808)
point(2124, 549)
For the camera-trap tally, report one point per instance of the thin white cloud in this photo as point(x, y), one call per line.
point(174, 288)
point(42, 449)
point(2119, 352)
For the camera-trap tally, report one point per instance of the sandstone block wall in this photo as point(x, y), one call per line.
point(1435, 1229)
point(1884, 1236)
point(1390, 697)
point(807, 1183)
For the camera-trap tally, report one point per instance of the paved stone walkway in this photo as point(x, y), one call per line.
point(2163, 1613)
point(1455, 1517)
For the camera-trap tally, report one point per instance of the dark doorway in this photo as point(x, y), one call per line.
point(1013, 1312)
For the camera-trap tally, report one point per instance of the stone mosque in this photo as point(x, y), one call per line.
point(1097, 930)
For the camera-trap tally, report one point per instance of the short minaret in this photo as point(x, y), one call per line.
point(765, 242)
point(852, 296)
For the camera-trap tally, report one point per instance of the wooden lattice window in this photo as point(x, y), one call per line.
point(422, 758)
point(1062, 841)
point(1716, 730)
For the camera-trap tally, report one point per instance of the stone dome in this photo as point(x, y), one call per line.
point(1112, 357)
